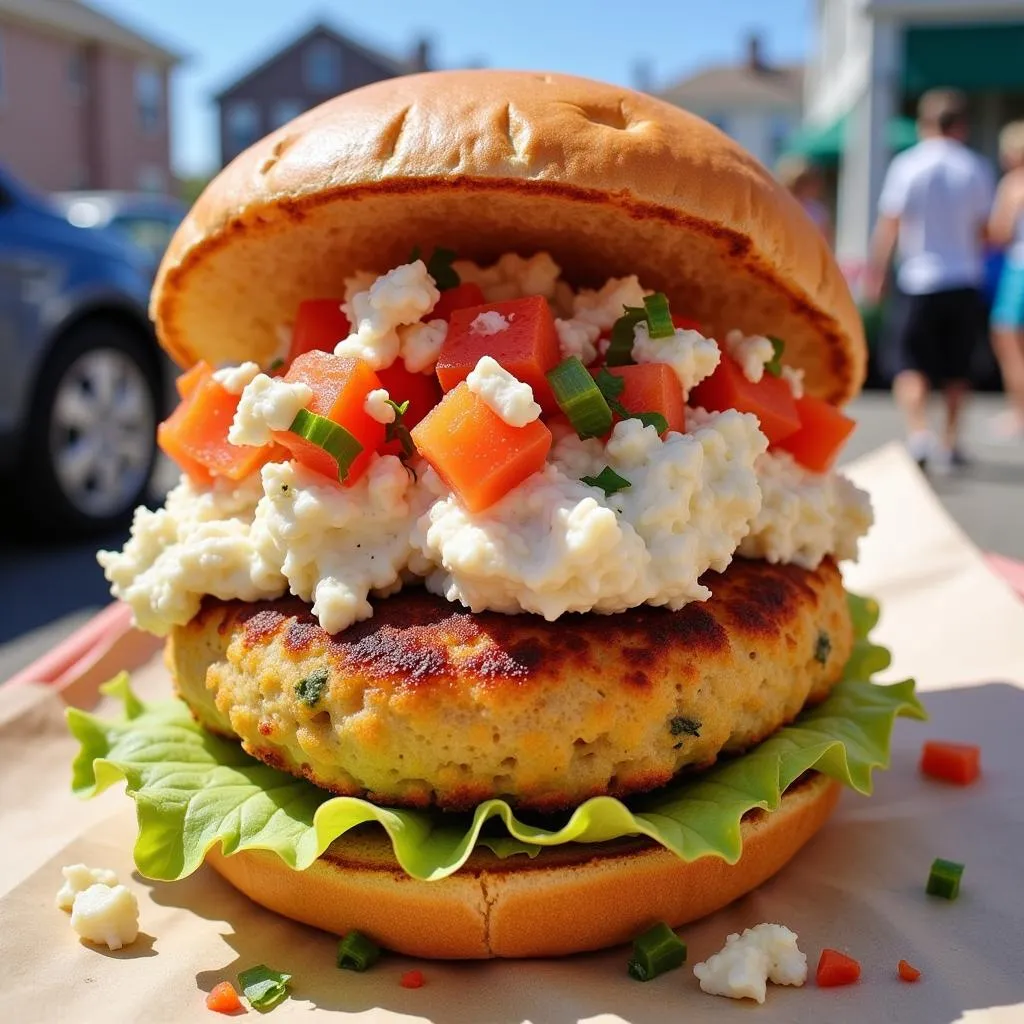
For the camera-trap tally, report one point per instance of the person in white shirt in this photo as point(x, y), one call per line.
point(933, 210)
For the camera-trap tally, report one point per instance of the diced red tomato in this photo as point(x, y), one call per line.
point(223, 998)
point(340, 385)
point(412, 979)
point(684, 323)
point(459, 297)
point(770, 399)
point(652, 387)
point(319, 326)
point(823, 431)
point(475, 451)
point(951, 762)
point(527, 347)
point(421, 390)
point(196, 434)
point(835, 968)
point(907, 971)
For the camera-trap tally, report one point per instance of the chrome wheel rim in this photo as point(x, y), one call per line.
point(102, 432)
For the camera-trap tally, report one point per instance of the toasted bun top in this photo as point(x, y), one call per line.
point(611, 182)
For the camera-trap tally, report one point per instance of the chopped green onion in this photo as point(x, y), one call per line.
point(659, 318)
point(439, 267)
point(652, 419)
point(275, 365)
point(944, 879)
point(331, 436)
point(774, 365)
point(658, 950)
point(611, 387)
point(620, 349)
point(608, 480)
point(357, 953)
point(580, 398)
point(396, 430)
point(311, 689)
point(263, 986)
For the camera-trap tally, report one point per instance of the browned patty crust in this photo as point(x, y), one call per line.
point(426, 703)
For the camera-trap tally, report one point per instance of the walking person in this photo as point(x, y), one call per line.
point(933, 212)
point(1006, 230)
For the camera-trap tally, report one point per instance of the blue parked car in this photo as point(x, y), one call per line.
point(83, 380)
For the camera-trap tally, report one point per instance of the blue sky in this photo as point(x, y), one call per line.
point(598, 38)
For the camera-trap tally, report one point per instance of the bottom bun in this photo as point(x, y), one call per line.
point(568, 899)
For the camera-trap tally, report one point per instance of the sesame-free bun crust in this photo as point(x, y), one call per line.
point(567, 900)
point(610, 181)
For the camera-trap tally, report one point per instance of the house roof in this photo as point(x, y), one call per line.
point(382, 60)
point(739, 85)
point(76, 19)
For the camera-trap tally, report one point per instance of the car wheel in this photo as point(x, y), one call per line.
point(92, 441)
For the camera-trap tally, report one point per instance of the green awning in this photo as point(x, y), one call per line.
point(825, 143)
point(969, 57)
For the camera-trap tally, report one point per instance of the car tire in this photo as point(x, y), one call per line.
point(91, 443)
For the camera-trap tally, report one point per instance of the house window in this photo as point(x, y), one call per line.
point(149, 98)
point(243, 124)
point(76, 73)
point(322, 67)
point(283, 111)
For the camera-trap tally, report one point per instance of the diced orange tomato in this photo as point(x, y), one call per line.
point(340, 385)
point(196, 434)
point(475, 451)
point(907, 972)
point(823, 431)
point(223, 998)
point(459, 297)
point(527, 348)
point(652, 387)
point(835, 968)
point(412, 979)
point(770, 399)
point(319, 326)
point(192, 378)
point(951, 762)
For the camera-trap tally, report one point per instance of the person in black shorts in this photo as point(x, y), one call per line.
point(932, 214)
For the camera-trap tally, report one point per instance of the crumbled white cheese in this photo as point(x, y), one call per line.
point(78, 878)
point(604, 306)
point(490, 322)
point(692, 356)
point(378, 406)
point(577, 338)
point(751, 352)
point(420, 344)
point(747, 962)
point(506, 396)
point(512, 277)
point(401, 296)
point(360, 281)
point(805, 516)
point(795, 379)
point(198, 543)
point(235, 378)
point(107, 914)
point(267, 404)
point(555, 544)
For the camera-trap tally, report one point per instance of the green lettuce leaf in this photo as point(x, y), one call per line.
point(193, 790)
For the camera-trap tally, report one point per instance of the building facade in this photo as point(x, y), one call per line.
point(873, 60)
point(319, 64)
point(83, 100)
point(757, 103)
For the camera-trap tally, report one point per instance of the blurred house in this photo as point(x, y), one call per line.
point(872, 61)
point(83, 99)
point(321, 63)
point(759, 104)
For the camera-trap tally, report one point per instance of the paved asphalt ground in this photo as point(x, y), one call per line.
point(47, 591)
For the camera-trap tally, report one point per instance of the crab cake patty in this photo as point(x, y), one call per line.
point(428, 704)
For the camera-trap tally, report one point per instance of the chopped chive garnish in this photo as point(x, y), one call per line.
point(822, 648)
point(611, 387)
point(263, 986)
point(944, 879)
point(580, 398)
point(331, 436)
point(653, 419)
point(659, 319)
point(608, 480)
point(774, 365)
point(658, 950)
point(275, 365)
point(620, 348)
point(356, 952)
point(439, 267)
point(396, 430)
point(311, 689)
